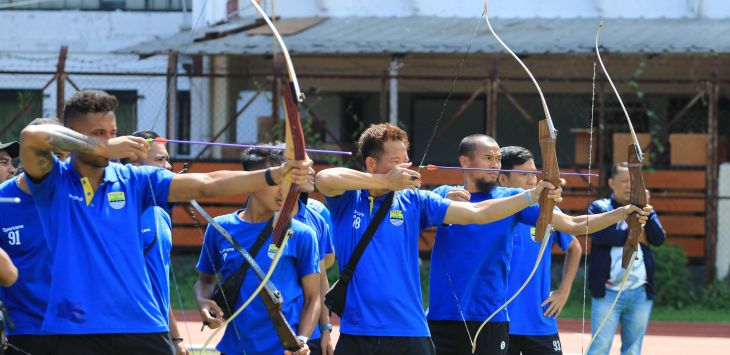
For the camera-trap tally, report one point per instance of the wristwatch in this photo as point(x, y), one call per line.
point(323, 327)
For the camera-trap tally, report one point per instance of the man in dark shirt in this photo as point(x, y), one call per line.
point(605, 273)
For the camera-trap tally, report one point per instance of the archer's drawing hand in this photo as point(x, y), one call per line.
point(401, 178)
point(124, 147)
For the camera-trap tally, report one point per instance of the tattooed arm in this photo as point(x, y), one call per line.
point(38, 142)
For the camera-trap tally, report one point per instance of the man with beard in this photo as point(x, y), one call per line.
point(296, 276)
point(383, 311)
point(157, 240)
point(470, 263)
point(101, 299)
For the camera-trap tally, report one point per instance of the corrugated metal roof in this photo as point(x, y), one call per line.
point(369, 35)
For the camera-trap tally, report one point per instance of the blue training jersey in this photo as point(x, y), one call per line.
point(322, 232)
point(21, 236)
point(472, 261)
point(100, 282)
point(384, 296)
point(252, 332)
point(323, 211)
point(525, 312)
point(157, 244)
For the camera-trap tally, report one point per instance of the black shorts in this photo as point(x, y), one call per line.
point(31, 344)
point(451, 337)
point(376, 345)
point(115, 344)
point(535, 345)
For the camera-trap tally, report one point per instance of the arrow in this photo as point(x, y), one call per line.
point(233, 145)
point(437, 167)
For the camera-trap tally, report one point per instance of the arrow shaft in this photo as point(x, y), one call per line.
point(235, 145)
point(429, 167)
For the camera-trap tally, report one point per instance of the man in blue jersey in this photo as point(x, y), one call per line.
point(320, 342)
point(533, 326)
point(321, 208)
point(470, 263)
point(157, 240)
point(21, 235)
point(101, 298)
point(605, 273)
point(383, 311)
point(296, 276)
point(8, 151)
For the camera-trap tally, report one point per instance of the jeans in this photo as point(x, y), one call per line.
point(632, 309)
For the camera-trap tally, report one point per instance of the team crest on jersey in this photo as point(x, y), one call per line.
point(396, 217)
point(272, 250)
point(116, 199)
point(532, 234)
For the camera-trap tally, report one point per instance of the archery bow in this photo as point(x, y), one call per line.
point(270, 295)
point(294, 150)
point(550, 173)
point(637, 197)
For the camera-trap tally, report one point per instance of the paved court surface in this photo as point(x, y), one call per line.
point(663, 338)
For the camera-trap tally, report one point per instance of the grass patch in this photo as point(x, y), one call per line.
point(183, 280)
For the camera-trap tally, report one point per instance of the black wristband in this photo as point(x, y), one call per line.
point(177, 340)
point(269, 180)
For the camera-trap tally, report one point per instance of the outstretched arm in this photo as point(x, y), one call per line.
point(335, 181)
point(38, 142)
point(493, 210)
point(587, 224)
point(190, 186)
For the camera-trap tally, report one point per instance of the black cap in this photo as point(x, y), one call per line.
point(13, 148)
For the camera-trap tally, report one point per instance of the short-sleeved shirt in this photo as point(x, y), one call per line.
point(252, 332)
point(322, 231)
point(384, 295)
point(526, 312)
point(472, 261)
point(100, 281)
point(323, 211)
point(21, 236)
point(313, 219)
point(157, 244)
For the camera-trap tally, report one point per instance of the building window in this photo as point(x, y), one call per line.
point(126, 112)
point(183, 121)
point(17, 108)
